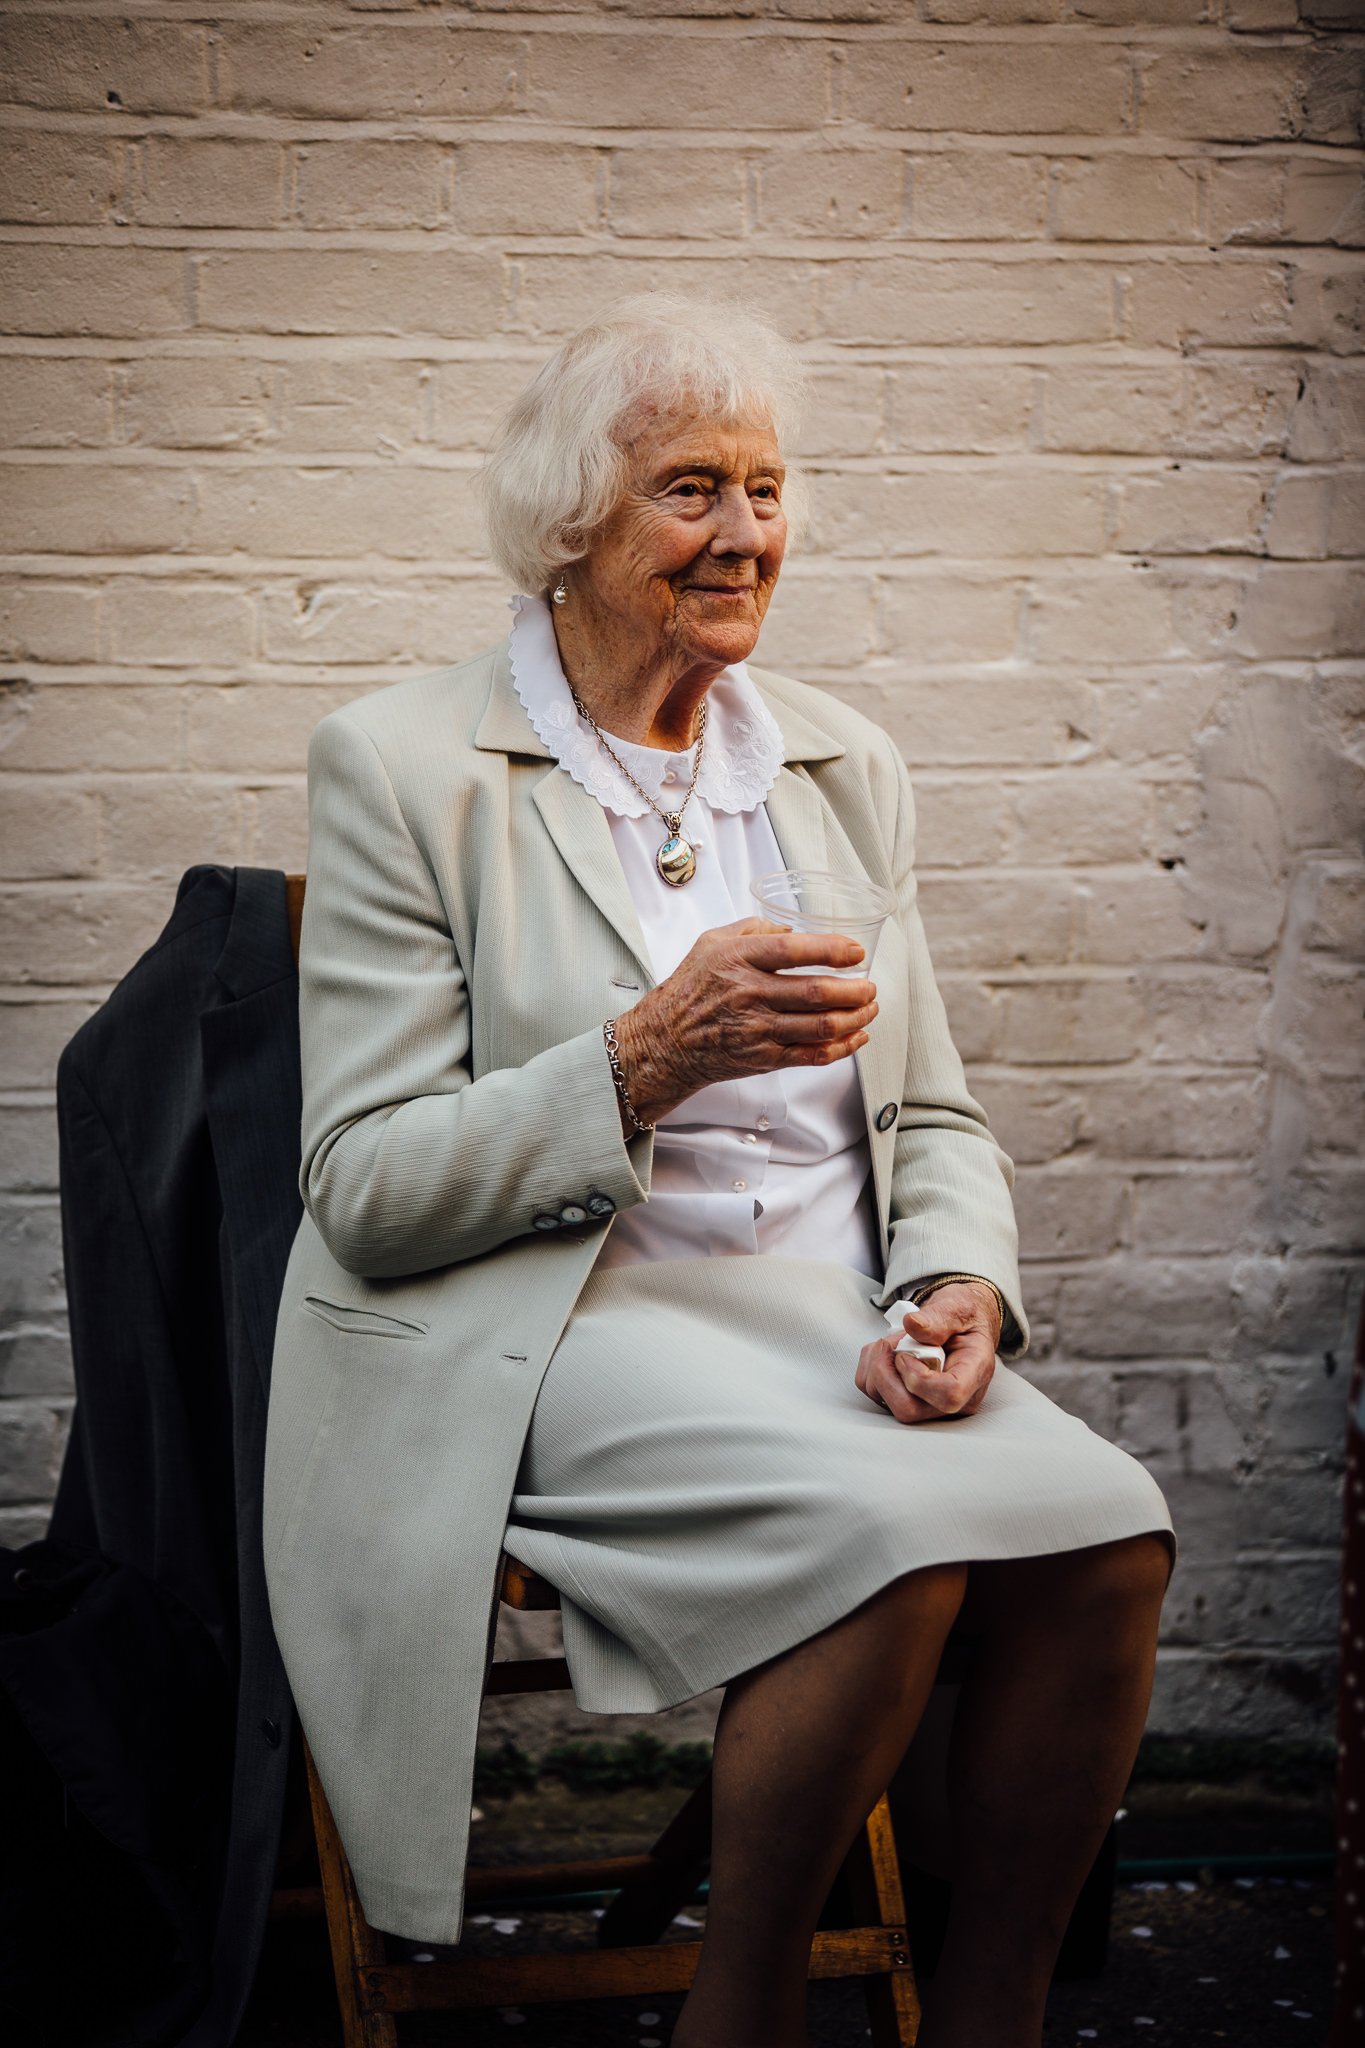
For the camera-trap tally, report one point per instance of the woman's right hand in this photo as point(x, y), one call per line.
point(725, 1013)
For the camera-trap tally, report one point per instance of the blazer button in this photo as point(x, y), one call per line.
point(573, 1212)
point(886, 1116)
point(271, 1732)
point(545, 1221)
point(600, 1204)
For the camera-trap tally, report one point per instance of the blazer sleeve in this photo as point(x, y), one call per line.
point(408, 1162)
point(951, 1208)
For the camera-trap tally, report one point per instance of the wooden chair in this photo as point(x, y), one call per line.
point(631, 1959)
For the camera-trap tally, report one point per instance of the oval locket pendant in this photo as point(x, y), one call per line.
point(676, 860)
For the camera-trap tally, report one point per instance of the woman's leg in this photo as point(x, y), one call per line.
point(1046, 1730)
point(805, 1746)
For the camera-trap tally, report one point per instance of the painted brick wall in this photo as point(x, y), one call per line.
point(1078, 282)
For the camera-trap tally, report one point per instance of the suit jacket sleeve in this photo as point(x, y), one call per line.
point(951, 1207)
point(408, 1162)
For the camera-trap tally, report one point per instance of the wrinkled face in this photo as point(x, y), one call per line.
point(688, 560)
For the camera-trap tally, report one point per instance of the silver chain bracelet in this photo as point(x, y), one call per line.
point(614, 1055)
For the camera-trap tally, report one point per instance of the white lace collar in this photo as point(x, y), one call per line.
point(739, 762)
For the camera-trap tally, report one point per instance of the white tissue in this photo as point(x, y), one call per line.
point(932, 1354)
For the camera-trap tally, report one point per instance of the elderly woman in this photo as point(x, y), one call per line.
point(609, 1184)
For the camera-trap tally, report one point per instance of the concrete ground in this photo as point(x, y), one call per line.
point(1195, 1956)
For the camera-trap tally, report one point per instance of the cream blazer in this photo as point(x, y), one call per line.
point(466, 932)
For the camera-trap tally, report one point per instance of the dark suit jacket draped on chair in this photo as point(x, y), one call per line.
point(179, 1108)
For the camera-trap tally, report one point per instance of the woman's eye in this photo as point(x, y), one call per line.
point(687, 490)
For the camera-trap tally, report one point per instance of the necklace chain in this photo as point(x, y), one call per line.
point(673, 819)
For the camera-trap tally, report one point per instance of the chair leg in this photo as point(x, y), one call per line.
point(644, 1907)
point(872, 1871)
point(355, 1944)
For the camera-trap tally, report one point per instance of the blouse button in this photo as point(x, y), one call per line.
point(751, 1137)
point(763, 1123)
point(739, 1186)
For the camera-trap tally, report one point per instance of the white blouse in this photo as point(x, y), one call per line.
point(778, 1163)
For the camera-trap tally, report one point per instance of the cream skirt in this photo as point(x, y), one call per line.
point(706, 1486)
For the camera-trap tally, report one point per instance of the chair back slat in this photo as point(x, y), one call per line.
point(293, 891)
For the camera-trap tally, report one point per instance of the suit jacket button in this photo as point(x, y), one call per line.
point(600, 1204)
point(573, 1212)
point(886, 1116)
point(271, 1732)
point(545, 1221)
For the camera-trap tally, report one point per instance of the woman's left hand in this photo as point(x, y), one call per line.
point(965, 1320)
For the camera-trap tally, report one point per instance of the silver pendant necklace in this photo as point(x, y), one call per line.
point(676, 859)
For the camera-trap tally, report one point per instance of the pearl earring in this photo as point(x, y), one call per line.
point(559, 594)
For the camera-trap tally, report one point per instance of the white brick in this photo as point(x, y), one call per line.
point(28, 1162)
point(1069, 1023)
point(48, 620)
point(952, 408)
point(831, 192)
point(602, 81)
point(999, 512)
point(47, 289)
point(907, 299)
point(1001, 89)
point(372, 184)
point(32, 1288)
point(210, 183)
point(36, 1362)
point(46, 829)
point(69, 935)
point(1083, 814)
point(647, 184)
point(332, 71)
point(1069, 1212)
point(33, 1035)
point(85, 65)
point(332, 513)
point(86, 726)
point(978, 196)
point(177, 625)
point(157, 827)
point(1193, 511)
point(103, 509)
point(1153, 1116)
point(56, 402)
point(1123, 199)
point(49, 179)
point(348, 291)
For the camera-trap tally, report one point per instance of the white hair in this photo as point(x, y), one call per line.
point(558, 462)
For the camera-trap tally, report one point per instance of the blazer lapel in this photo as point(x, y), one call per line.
point(578, 826)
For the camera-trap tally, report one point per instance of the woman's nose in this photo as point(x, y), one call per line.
point(738, 528)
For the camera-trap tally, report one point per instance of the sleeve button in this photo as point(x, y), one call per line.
point(573, 1212)
point(545, 1221)
point(600, 1204)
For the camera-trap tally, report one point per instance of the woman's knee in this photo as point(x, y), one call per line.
point(934, 1591)
point(1126, 1577)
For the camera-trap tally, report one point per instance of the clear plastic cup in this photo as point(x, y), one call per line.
point(814, 900)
